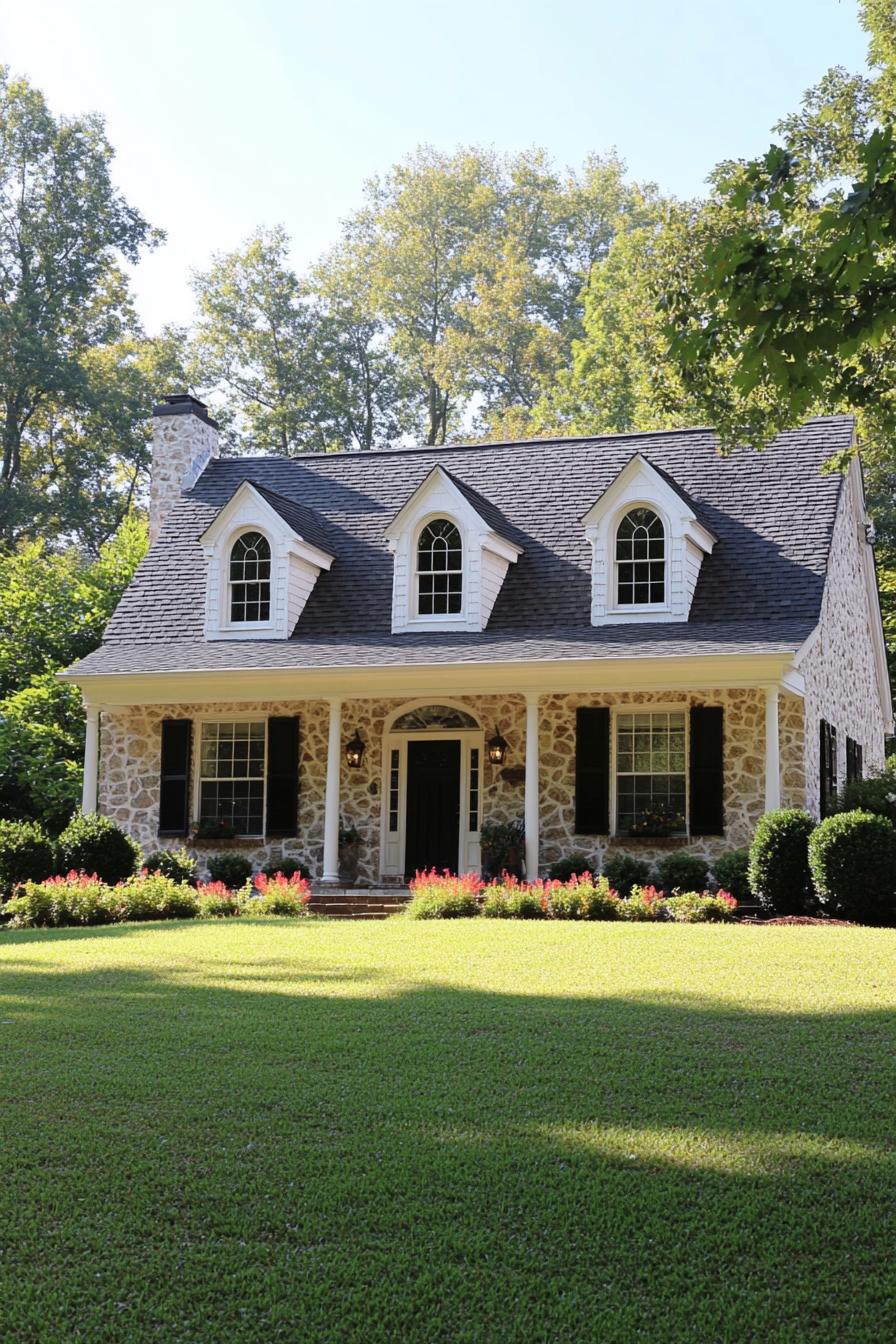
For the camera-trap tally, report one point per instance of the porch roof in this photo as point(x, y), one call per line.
point(492, 649)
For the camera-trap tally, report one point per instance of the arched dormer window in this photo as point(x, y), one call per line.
point(440, 561)
point(640, 559)
point(250, 578)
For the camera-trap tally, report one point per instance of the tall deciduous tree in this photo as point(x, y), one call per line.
point(64, 230)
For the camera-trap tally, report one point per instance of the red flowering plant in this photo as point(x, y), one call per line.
point(75, 898)
point(702, 907)
point(216, 900)
point(277, 895)
point(444, 895)
point(645, 903)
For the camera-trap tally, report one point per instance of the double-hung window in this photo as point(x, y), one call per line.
point(440, 570)
point(651, 772)
point(231, 775)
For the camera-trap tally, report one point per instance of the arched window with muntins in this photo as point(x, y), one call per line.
point(439, 569)
point(250, 578)
point(640, 559)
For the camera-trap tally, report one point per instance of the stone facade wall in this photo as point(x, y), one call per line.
point(839, 669)
point(181, 447)
point(130, 746)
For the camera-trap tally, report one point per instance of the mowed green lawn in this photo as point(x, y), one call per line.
point(471, 1131)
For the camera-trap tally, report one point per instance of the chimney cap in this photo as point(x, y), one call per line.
point(181, 403)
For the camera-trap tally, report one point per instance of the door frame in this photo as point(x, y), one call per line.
point(392, 841)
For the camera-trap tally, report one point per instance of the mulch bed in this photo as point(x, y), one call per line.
point(804, 919)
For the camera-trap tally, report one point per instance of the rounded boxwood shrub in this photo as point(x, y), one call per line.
point(779, 861)
point(624, 871)
point(732, 874)
point(26, 854)
point(173, 863)
point(571, 865)
point(681, 871)
point(232, 869)
point(94, 844)
point(852, 856)
point(876, 793)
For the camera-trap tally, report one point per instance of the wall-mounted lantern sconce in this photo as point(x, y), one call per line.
point(354, 751)
point(497, 749)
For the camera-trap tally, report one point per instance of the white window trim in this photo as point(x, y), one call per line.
point(672, 707)
point(446, 619)
point(638, 608)
point(198, 776)
point(225, 623)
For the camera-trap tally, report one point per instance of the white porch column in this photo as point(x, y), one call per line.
point(532, 789)
point(331, 805)
point(772, 751)
point(91, 758)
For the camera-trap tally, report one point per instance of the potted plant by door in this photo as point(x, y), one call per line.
point(349, 854)
point(502, 848)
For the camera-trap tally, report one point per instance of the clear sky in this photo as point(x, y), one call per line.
point(227, 115)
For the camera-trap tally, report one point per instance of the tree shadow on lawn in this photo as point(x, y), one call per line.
point(193, 1161)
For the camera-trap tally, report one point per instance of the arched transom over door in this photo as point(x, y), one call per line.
point(433, 757)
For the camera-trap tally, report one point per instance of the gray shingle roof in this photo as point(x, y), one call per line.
point(760, 590)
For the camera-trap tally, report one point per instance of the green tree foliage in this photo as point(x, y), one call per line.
point(53, 608)
point(69, 360)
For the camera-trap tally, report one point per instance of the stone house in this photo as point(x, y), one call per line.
point(622, 641)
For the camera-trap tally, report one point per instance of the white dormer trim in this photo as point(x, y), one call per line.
point(639, 484)
point(295, 565)
point(486, 557)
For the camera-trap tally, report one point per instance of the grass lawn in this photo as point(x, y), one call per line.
point(466, 1131)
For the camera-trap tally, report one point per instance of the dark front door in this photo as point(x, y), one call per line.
point(433, 806)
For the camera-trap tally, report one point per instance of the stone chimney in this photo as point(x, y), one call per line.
point(184, 439)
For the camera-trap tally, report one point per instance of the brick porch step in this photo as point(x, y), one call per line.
point(358, 903)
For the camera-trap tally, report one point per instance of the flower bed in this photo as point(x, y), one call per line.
point(444, 896)
point(82, 898)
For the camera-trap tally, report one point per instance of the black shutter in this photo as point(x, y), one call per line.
point(174, 777)
point(592, 771)
point(853, 761)
point(707, 815)
point(827, 767)
point(283, 777)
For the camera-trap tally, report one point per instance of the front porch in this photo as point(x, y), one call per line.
point(424, 785)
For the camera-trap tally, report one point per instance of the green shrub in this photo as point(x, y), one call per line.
point(503, 902)
point(875, 794)
point(853, 860)
point(644, 904)
point(588, 899)
point(502, 845)
point(282, 901)
point(174, 863)
point(701, 907)
point(682, 871)
point(94, 844)
point(573, 865)
point(779, 861)
point(288, 867)
point(215, 901)
point(435, 896)
point(152, 897)
point(624, 871)
point(732, 873)
point(26, 854)
point(60, 901)
point(232, 869)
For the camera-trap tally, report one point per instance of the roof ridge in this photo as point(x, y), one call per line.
point(471, 445)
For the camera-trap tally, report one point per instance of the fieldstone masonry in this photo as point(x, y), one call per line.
point(130, 742)
point(184, 439)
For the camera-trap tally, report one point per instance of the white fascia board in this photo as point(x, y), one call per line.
point(546, 677)
point(507, 550)
point(438, 479)
point(654, 488)
point(312, 555)
point(267, 516)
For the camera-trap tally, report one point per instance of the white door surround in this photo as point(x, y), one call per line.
point(393, 824)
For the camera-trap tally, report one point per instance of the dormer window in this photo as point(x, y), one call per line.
point(647, 548)
point(440, 569)
point(640, 559)
point(250, 578)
